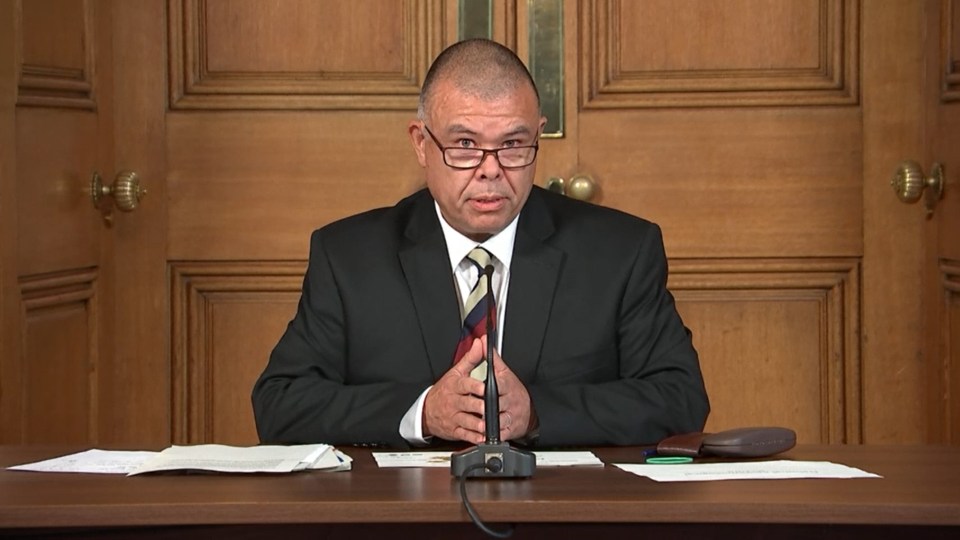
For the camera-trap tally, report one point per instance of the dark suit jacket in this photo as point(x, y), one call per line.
point(590, 329)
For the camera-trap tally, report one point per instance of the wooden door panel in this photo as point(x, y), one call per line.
point(944, 333)
point(301, 54)
point(252, 186)
point(49, 378)
point(227, 319)
point(58, 226)
point(658, 53)
point(733, 183)
point(283, 117)
point(735, 126)
point(778, 342)
point(56, 376)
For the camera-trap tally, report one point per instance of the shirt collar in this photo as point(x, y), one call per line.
point(458, 245)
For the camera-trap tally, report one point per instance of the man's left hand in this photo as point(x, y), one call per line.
point(517, 417)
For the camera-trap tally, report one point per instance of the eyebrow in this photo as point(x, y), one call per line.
point(457, 129)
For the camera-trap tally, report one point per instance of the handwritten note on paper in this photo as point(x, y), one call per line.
point(753, 470)
point(91, 461)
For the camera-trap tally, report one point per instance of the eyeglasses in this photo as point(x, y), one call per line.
point(512, 157)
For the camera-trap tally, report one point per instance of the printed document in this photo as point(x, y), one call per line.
point(204, 457)
point(749, 470)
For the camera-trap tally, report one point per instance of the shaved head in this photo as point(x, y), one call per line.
point(477, 67)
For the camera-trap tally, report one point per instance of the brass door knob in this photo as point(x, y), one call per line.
point(126, 190)
point(909, 183)
point(580, 187)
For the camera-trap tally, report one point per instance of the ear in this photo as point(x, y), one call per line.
point(418, 139)
point(543, 124)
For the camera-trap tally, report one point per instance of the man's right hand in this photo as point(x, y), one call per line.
point(453, 408)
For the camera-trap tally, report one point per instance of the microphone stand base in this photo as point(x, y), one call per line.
point(500, 460)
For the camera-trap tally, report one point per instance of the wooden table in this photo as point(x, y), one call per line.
point(918, 496)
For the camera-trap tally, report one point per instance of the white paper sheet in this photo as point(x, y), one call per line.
point(237, 459)
point(751, 470)
point(91, 461)
point(206, 457)
point(442, 459)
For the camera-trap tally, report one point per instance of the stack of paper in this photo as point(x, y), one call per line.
point(204, 457)
point(252, 459)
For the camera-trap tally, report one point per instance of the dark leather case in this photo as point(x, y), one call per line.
point(741, 442)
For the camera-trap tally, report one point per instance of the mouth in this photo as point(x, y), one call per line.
point(487, 203)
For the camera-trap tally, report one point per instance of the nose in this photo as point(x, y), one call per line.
point(490, 168)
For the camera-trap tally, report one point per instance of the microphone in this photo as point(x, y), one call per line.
point(492, 458)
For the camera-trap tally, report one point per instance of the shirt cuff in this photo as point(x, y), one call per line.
point(411, 425)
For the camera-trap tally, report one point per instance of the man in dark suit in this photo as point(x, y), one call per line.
point(593, 351)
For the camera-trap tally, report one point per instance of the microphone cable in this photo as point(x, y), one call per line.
point(493, 465)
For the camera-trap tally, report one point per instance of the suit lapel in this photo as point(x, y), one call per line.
point(426, 267)
point(534, 272)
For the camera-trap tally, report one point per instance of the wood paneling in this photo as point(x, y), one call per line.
point(733, 182)
point(226, 319)
point(950, 365)
point(946, 150)
point(778, 342)
point(53, 383)
point(138, 374)
point(58, 226)
point(301, 54)
point(661, 53)
point(56, 52)
point(254, 187)
point(745, 129)
point(9, 286)
point(737, 127)
point(950, 40)
point(50, 378)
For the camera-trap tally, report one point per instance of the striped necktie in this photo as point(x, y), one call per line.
point(475, 311)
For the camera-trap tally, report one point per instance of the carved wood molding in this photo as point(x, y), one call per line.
point(950, 47)
point(194, 86)
point(58, 289)
point(606, 84)
point(196, 288)
point(58, 86)
point(48, 300)
point(948, 367)
point(832, 283)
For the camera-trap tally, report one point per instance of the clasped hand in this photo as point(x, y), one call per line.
point(453, 408)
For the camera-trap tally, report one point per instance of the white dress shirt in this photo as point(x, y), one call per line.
point(465, 276)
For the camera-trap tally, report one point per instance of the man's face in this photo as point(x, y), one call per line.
point(477, 202)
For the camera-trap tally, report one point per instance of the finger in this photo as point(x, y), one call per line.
point(468, 386)
point(471, 359)
point(468, 436)
point(468, 423)
point(503, 372)
point(470, 404)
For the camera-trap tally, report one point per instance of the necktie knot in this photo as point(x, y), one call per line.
point(477, 307)
point(480, 257)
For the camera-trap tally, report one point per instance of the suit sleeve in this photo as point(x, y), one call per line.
point(654, 389)
point(305, 394)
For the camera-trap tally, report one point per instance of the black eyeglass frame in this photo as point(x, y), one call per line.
point(485, 151)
